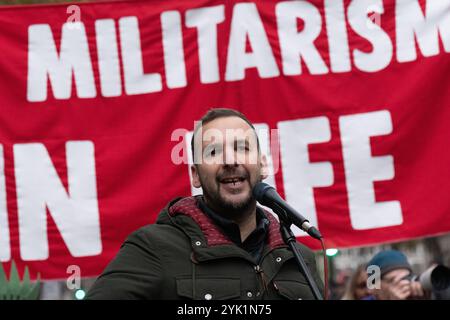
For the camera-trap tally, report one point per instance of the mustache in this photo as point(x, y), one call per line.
point(232, 174)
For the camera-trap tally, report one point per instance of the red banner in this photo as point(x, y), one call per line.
point(96, 100)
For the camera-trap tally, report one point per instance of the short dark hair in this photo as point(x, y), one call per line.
point(216, 113)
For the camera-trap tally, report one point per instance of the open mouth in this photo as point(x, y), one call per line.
point(233, 181)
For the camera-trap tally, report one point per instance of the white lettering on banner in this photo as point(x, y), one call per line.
point(411, 24)
point(75, 212)
point(246, 23)
point(265, 141)
point(295, 45)
point(74, 58)
point(136, 82)
point(300, 176)
point(108, 62)
point(337, 36)
point(206, 20)
point(173, 49)
point(5, 250)
point(381, 55)
point(362, 169)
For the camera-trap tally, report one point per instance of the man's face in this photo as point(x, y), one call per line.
point(230, 165)
point(394, 276)
point(393, 285)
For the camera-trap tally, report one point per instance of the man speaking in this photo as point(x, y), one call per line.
point(220, 245)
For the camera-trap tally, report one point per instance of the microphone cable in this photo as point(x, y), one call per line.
point(325, 269)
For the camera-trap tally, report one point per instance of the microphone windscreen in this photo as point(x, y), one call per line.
point(259, 190)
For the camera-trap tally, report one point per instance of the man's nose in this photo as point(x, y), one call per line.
point(229, 156)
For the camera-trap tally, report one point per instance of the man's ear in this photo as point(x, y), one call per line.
point(195, 177)
point(264, 167)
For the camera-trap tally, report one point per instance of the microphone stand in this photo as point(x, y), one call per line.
point(290, 240)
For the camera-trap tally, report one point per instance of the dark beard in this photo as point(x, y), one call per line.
point(228, 209)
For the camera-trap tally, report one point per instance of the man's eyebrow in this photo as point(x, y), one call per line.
point(246, 140)
point(212, 144)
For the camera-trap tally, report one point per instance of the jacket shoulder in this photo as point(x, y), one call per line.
point(155, 233)
point(307, 253)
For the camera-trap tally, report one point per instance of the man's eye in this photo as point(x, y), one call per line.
point(389, 280)
point(211, 151)
point(242, 148)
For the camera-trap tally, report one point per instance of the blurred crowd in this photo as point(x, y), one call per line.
point(388, 275)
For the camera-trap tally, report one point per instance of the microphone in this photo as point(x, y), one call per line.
point(268, 196)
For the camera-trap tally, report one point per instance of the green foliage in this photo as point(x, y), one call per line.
point(15, 289)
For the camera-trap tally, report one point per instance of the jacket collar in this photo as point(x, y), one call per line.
point(212, 234)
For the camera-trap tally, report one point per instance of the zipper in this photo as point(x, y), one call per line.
point(262, 278)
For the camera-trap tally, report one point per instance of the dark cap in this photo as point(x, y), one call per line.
point(389, 260)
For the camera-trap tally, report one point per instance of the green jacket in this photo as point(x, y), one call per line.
point(185, 256)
